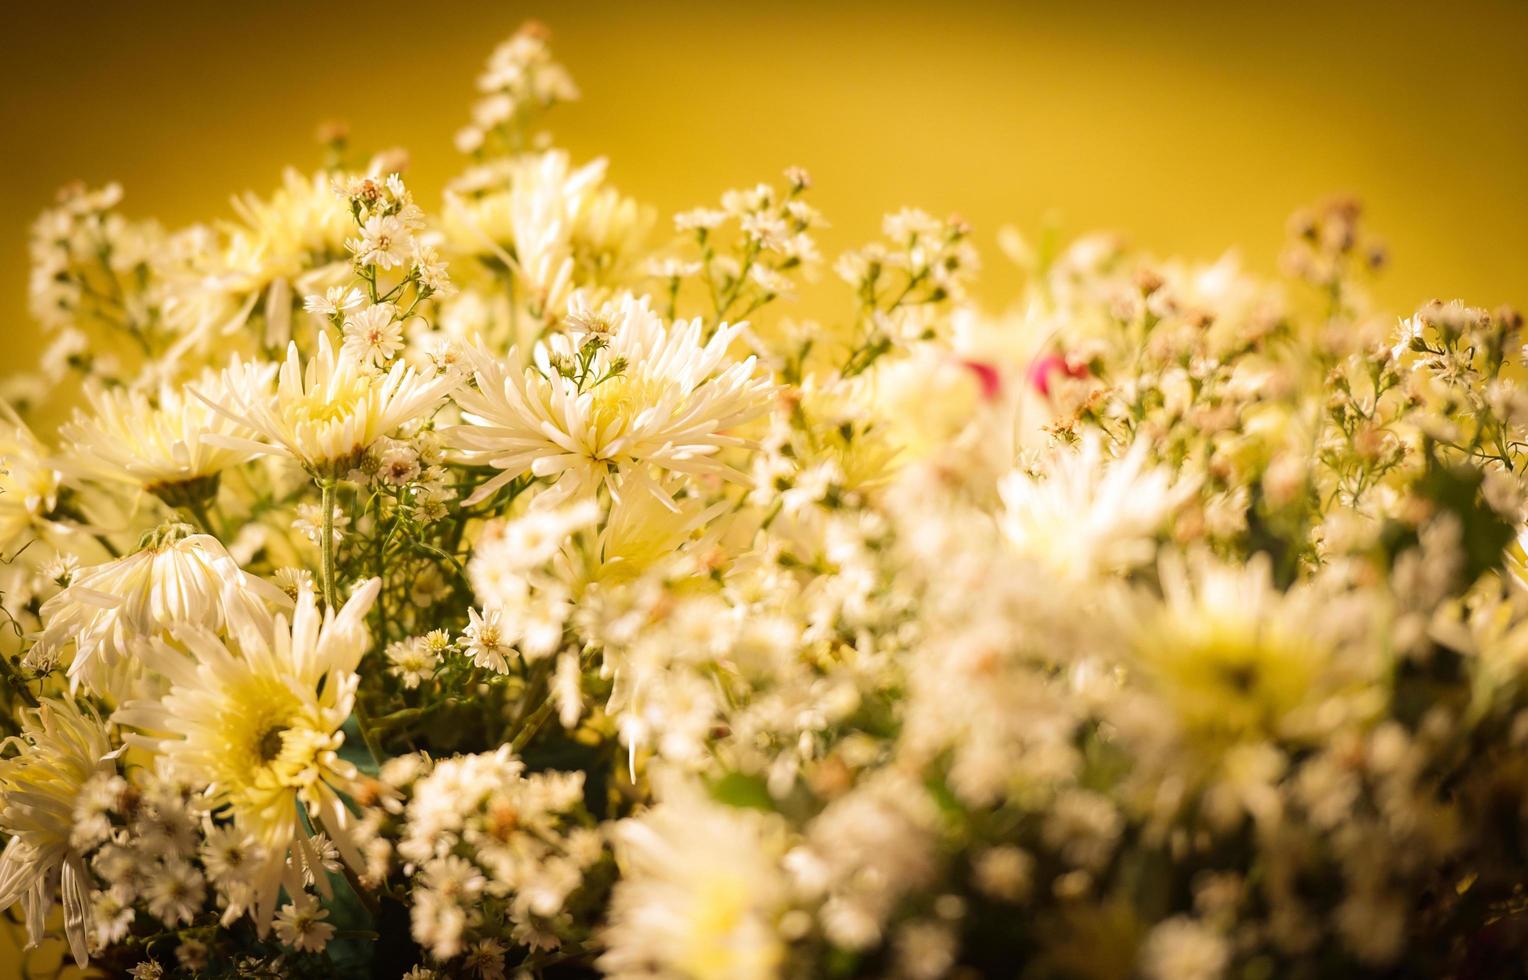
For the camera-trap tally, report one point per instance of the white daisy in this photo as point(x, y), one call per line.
point(484, 640)
point(301, 926)
point(386, 241)
point(108, 609)
point(62, 748)
point(260, 728)
point(700, 891)
point(1088, 513)
point(156, 443)
point(324, 413)
point(373, 336)
point(603, 408)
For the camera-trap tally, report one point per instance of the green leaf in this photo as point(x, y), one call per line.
point(743, 791)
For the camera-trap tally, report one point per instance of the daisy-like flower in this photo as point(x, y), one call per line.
point(325, 413)
point(700, 891)
point(301, 926)
point(108, 609)
point(386, 241)
point(484, 639)
point(1088, 513)
point(257, 722)
point(310, 523)
point(411, 661)
point(602, 407)
point(336, 300)
point(158, 443)
point(1239, 660)
point(62, 749)
point(373, 336)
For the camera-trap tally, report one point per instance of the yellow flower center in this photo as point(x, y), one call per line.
point(324, 407)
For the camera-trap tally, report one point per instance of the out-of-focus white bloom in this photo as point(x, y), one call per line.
point(29, 483)
point(155, 444)
point(260, 729)
point(62, 749)
point(605, 408)
point(700, 895)
point(522, 840)
point(556, 227)
point(326, 413)
point(1087, 514)
point(1185, 949)
point(109, 609)
point(1238, 659)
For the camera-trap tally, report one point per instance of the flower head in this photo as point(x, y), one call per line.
point(257, 721)
point(108, 610)
point(324, 413)
point(62, 748)
point(159, 444)
point(602, 407)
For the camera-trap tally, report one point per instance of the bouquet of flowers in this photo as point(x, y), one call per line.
point(504, 589)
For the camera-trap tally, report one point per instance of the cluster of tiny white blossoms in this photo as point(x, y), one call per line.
point(501, 589)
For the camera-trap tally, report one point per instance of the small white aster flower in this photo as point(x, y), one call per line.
point(412, 661)
point(310, 523)
point(484, 640)
point(385, 242)
point(301, 926)
point(373, 336)
point(336, 300)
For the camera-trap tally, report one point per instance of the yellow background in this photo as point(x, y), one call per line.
point(1189, 126)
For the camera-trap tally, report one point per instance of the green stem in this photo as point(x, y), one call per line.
point(326, 539)
point(533, 725)
point(18, 682)
point(368, 735)
point(198, 510)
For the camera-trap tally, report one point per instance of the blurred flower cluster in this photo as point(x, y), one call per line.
point(508, 589)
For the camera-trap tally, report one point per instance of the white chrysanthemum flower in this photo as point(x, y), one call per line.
point(599, 408)
point(700, 893)
point(28, 482)
point(156, 443)
point(326, 413)
point(1237, 659)
point(260, 728)
point(109, 609)
point(61, 749)
point(1089, 513)
point(557, 226)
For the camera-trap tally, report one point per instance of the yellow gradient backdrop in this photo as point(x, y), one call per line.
point(1191, 127)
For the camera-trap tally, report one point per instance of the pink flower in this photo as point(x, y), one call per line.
point(1043, 367)
point(989, 378)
